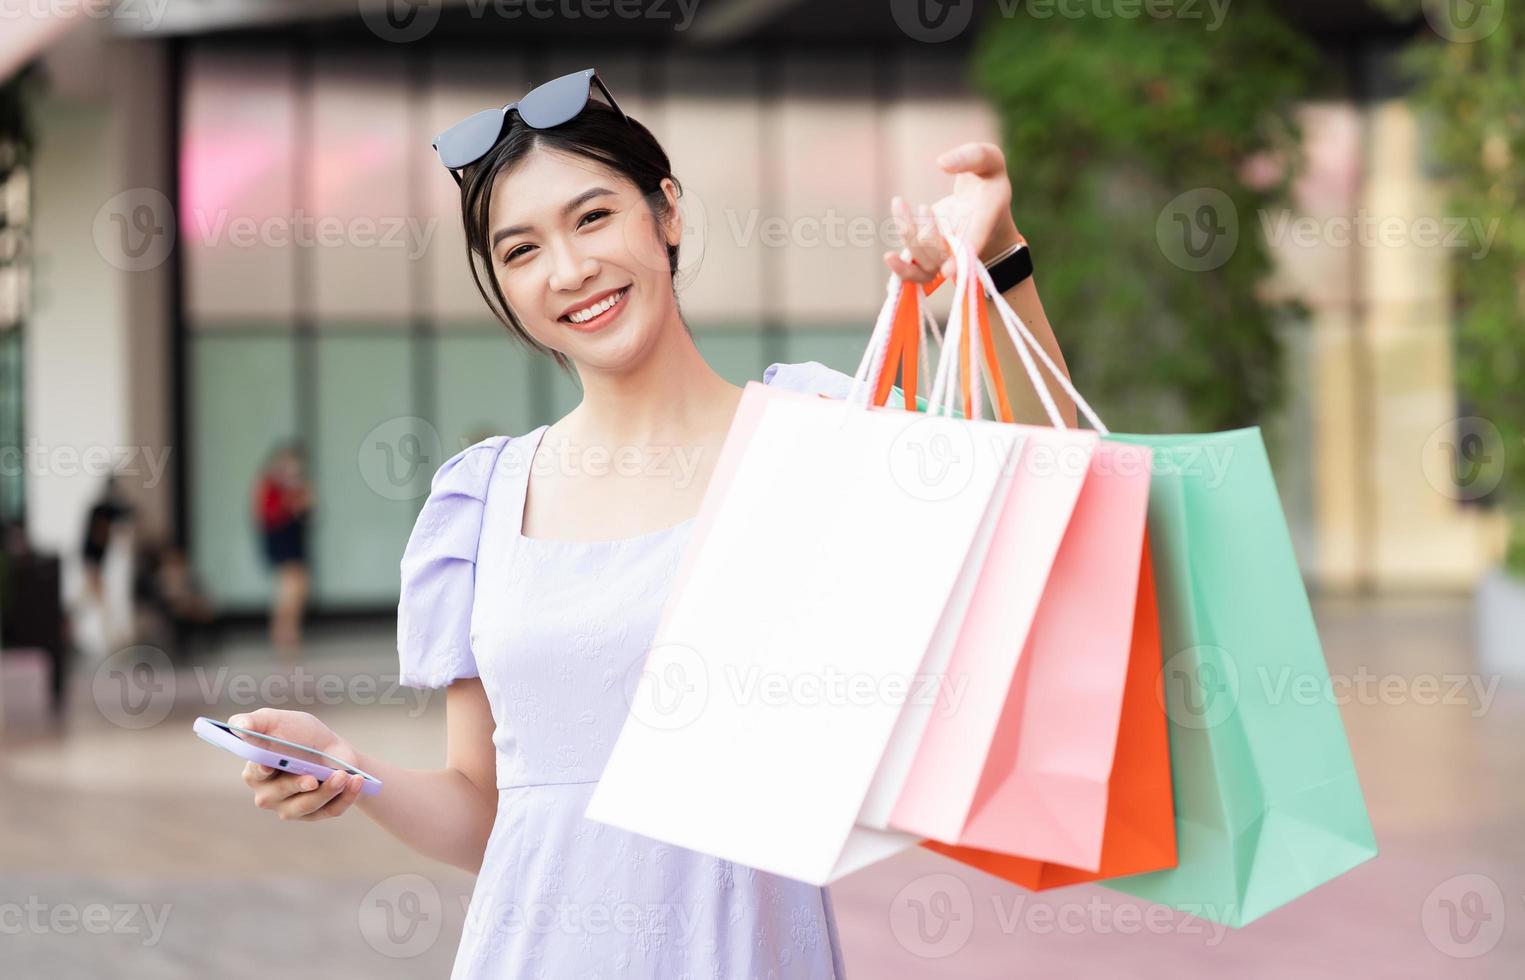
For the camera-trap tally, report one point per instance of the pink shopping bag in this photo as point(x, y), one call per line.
point(1022, 764)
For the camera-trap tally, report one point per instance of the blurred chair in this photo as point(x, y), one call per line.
point(32, 620)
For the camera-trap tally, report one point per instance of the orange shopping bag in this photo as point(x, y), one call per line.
point(1139, 834)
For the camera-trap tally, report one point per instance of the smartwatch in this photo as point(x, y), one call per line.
point(1011, 267)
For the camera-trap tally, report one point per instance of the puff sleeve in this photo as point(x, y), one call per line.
point(439, 570)
point(810, 377)
point(813, 377)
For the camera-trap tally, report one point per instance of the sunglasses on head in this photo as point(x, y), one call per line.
point(547, 105)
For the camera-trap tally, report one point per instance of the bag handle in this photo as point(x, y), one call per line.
point(1026, 346)
point(905, 344)
point(872, 363)
point(908, 323)
point(969, 310)
point(897, 334)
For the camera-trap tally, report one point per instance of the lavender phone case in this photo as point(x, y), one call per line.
point(221, 735)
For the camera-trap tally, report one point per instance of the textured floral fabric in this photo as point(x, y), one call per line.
point(557, 631)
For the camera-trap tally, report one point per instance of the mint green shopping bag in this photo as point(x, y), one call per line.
point(1268, 806)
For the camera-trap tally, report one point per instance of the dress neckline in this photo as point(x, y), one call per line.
point(524, 495)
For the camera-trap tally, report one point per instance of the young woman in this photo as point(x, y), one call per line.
point(534, 611)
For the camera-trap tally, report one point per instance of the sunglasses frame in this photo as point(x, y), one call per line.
point(592, 76)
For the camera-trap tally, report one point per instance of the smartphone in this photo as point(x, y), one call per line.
point(279, 754)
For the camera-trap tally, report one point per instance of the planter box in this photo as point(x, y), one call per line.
point(25, 681)
point(1501, 625)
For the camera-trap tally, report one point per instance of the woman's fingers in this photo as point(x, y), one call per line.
point(301, 805)
point(255, 774)
point(919, 240)
point(343, 801)
point(259, 720)
point(904, 269)
point(980, 159)
point(298, 797)
point(270, 793)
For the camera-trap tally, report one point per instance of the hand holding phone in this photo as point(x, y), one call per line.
point(295, 764)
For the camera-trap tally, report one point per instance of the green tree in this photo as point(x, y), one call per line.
point(1106, 123)
point(1471, 89)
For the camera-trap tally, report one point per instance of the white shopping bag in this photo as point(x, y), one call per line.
point(831, 552)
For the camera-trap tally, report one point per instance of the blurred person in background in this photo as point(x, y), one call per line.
point(102, 610)
point(172, 602)
point(109, 511)
point(283, 502)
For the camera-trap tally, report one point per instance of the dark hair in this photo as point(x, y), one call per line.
point(597, 133)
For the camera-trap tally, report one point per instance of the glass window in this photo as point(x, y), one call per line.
point(370, 466)
point(237, 184)
point(242, 402)
point(365, 237)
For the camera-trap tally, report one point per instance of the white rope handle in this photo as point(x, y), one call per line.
point(866, 378)
point(972, 283)
point(1023, 339)
point(976, 340)
point(941, 401)
point(872, 365)
point(968, 291)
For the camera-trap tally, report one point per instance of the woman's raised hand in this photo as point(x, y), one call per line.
point(978, 211)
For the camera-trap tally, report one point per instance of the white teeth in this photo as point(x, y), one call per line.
point(584, 315)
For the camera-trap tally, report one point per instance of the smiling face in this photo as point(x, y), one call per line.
point(581, 258)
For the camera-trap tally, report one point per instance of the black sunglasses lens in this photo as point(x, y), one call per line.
point(555, 102)
point(469, 140)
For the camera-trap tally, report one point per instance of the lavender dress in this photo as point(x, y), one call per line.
point(556, 630)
